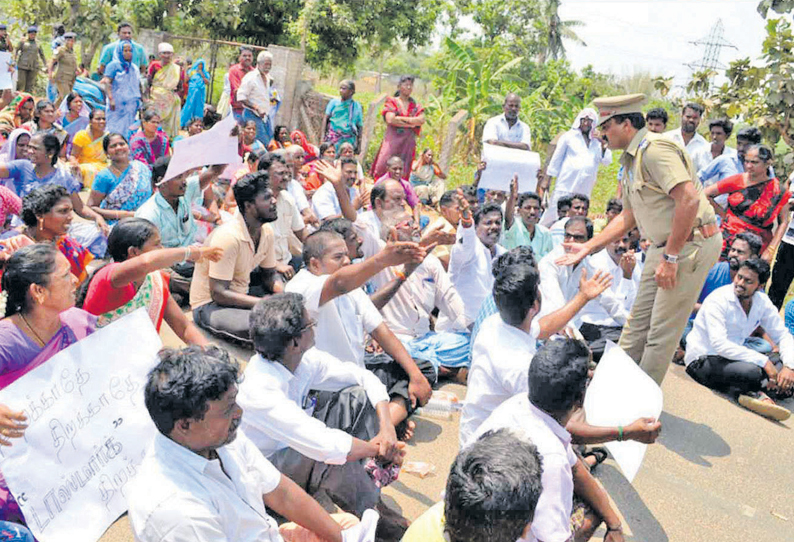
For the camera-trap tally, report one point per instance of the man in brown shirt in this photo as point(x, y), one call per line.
point(64, 65)
point(664, 198)
point(223, 293)
point(28, 54)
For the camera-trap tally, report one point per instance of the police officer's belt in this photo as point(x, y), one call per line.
point(706, 230)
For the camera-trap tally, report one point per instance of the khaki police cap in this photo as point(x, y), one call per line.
point(610, 106)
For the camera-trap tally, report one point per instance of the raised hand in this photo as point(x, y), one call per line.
point(592, 288)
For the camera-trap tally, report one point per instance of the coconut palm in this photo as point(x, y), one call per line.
point(556, 31)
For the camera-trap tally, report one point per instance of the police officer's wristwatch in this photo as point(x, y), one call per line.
point(670, 258)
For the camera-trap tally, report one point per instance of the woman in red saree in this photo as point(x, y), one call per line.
point(756, 200)
point(404, 118)
point(136, 279)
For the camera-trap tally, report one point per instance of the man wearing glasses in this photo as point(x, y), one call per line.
point(662, 196)
point(560, 283)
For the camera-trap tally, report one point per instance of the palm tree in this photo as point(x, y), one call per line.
point(555, 31)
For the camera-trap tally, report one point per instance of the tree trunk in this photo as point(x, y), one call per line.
point(74, 12)
point(88, 53)
point(380, 74)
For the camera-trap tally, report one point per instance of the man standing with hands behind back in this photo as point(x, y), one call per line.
point(661, 195)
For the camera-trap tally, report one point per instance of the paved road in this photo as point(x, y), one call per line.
point(718, 472)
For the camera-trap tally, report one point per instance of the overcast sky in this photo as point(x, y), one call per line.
point(624, 37)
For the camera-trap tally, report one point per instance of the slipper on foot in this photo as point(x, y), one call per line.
point(764, 406)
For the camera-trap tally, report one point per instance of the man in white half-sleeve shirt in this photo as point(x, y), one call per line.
point(201, 480)
point(322, 441)
point(331, 288)
point(507, 130)
point(687, 136)
point(715, 353)
point(619, 262)
point(559, 283)
point(556, 383)
point(325, 201)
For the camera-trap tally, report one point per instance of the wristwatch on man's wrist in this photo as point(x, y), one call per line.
point(670, 258)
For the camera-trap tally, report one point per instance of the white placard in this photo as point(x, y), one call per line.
point(503, 163)
point(88, 431)
point(619, 393)
point(6, 76)
point(215, 146)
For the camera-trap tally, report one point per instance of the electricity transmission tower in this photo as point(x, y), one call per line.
point(713, 44)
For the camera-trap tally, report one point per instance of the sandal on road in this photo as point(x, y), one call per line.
point(599, 454)
point(762, 404)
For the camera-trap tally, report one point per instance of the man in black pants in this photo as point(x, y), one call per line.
point(716, 356)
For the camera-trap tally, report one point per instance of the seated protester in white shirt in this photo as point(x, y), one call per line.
point(447, 223)
point(470, 260)
point(331, 287)
point(556, 383)
point(325, 201)
point(506, 342)
point(619, 262)
point(559, 283)
point(322, 441)
point(293, 155)
point(715, 352)
point(201, 479)
point(498, 473)
point(289, 220)
point(407, 301)
point(580, 206)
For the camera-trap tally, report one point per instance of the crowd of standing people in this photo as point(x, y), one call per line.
point(356, 293)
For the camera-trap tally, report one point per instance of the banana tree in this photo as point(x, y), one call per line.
point(475, 80)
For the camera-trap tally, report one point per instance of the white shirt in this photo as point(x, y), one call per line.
point(697, 144)
point(298, 194)
point(552, 522)
point(560, 283)
point(275, 410)
point(625, 290)
point(470, 270)
point(500, 359)
point(179, 496)
point(255, 91)
point(289, 220)
point(575, 163)
point(702, 157)
point(721, 327)
point(408, 313)
point(497, 128)
point(325, 202)
point(341, 322)
point(557, 231)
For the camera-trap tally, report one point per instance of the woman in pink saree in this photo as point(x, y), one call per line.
point(404, 118)
point(40, 321)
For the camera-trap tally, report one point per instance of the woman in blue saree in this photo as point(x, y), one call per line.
point(123, 186)
point(197, 90)
point(122, 85)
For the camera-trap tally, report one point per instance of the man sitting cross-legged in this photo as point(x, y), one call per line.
point(222, 293)
point(410, 295)
point(321, 441)
point(618, 261)
point(331, 287)
point(506, 343)
point(556, 383)
point(716, 355)
point(499, 473)
point(204, 482)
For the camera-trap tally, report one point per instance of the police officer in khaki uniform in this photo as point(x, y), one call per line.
point(663, 197)
point(63, 67)
point(28, 54)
